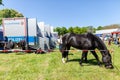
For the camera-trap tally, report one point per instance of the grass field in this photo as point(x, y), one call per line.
point(30, 66)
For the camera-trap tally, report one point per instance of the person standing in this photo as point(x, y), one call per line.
point(109, 40)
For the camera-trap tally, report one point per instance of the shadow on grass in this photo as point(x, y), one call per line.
point(20, 53)
point(89, 62)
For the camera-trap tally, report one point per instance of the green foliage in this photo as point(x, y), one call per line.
point(70, 30)
point(99, 28)
point(84, 29)
point(1, 2)
point(61, 30)
point(76, 29)
point(58, 29)
point(9, 13)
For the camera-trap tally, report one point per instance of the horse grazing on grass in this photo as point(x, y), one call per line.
point(85, 42)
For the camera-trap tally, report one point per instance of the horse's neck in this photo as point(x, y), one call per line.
point(65, 38)
point(100, 45)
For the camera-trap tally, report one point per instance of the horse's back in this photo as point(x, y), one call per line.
point(80, 41)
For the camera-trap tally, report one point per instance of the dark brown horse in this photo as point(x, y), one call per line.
point(85, 42)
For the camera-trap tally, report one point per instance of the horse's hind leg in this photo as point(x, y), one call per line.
point(96, 56)
point(84, 55)
point(68, 48)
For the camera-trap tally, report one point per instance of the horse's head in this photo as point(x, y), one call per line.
point(106, 57)
point(107, 60)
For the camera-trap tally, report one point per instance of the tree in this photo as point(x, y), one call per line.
point(58, 29)
point(9, 13)
point(99, 28)
point(70, 29)
point(1, 2)
point(77, 30)
point(63, 30)
point(84, 29)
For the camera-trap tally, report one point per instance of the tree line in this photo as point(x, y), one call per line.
point(76, 29)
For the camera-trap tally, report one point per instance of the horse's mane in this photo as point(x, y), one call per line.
point(98, 42)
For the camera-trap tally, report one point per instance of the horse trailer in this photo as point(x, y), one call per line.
point(17, 29)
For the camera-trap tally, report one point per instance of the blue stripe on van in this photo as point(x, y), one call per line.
point(31, 39)
point(19, 38)
point(16, 38)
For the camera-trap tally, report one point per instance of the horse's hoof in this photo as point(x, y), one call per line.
point(109, 67)
point(86, 61)
point(80, 64)
point(63, 60)
point(99, 64)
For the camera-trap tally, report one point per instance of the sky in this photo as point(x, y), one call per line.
point(67, 13)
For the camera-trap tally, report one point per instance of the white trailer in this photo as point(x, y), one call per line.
point(15, 29)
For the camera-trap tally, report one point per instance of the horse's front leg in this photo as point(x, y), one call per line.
point(64, 56)
point(97, 58)
point(84, 55)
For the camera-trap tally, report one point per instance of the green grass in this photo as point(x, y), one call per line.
point(30, 66)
